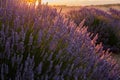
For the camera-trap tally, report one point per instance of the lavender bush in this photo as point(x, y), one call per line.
point(37, 43)
point(105, 24)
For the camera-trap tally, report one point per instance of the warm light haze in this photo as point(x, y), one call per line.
point(80, 2)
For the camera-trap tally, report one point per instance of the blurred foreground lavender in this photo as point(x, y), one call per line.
point(39, 44)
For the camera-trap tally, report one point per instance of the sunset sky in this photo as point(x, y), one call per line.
point(79, 2)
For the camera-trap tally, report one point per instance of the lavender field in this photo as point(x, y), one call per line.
point(40, 43)
point(66, 9)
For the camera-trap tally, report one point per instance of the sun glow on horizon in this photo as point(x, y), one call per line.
point(33, 2)
point(36, 3)
point(79, 2)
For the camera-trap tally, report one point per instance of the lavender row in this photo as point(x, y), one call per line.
point(104, 23)
point(37, 43)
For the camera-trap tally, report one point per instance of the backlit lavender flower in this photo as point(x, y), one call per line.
point(105, 24)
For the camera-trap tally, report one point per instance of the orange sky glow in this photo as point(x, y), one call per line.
point(79, 2)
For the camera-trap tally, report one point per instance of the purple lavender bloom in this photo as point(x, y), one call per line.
point(40, 44)
point(105, 24)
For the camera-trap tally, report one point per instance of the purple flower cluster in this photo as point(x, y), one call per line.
point(40, 44)
point(115, 12)
point(104, 23)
